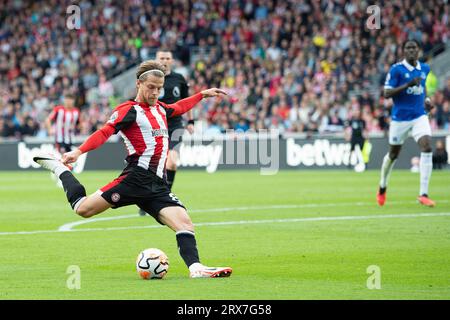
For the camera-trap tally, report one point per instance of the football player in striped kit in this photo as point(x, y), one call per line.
point(142, 123)
point(62, 123)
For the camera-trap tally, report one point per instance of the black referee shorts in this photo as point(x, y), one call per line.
point(356, 141)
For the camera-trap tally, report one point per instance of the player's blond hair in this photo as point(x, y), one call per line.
point(150, 67)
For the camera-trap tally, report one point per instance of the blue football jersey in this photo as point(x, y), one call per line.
point(409, 104)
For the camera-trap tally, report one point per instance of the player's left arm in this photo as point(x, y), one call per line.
point(95, 140)
point(122, 117)
point(429, 105)
point(184, 105)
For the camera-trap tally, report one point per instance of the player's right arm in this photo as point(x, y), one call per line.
point(392, 87)
point(122, 117)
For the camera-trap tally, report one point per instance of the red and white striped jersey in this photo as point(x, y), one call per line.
point(145, 133)
point(65, 121)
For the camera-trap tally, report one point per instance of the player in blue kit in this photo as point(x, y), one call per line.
point(405, 83)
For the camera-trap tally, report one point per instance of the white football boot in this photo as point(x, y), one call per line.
point(51, 163)
point(201, 271)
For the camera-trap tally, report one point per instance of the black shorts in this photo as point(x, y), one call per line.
point(356, 141)
point(143, 188)
point(63, 147)
point(176, 130)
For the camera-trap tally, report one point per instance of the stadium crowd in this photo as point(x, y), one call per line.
point(299, 66)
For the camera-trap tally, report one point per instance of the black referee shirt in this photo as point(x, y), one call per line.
point(175, 88)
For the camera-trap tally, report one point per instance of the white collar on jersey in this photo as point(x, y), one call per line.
point(410, 67)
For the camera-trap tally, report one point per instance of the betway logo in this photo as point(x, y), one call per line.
point(200, 155)
point(25, 156)
point(321, 153)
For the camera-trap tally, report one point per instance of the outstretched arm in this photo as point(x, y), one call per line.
point(122, 117)
point(184, 105)
point(94, 141)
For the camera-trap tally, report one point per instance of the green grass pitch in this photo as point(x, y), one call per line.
point(293, 235)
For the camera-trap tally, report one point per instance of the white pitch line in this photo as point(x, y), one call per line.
point(240, 222)
point(69, 226)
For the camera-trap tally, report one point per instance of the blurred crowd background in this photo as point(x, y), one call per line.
point(298, 66)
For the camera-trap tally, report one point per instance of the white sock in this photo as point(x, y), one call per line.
point(426, 167)
point(386, 170)
point(78, 203)
point(195, 266)
point(60, 169)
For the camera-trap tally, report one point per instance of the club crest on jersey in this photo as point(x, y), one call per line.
point(423, 75)
point(115, 197)
point(407, 75)
point(176, 91)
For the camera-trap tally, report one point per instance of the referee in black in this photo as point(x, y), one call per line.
point(175, 88)
point(358, 127)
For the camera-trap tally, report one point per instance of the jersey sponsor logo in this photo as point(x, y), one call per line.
point(416, 90)
point(160, 132)
point(176, 92)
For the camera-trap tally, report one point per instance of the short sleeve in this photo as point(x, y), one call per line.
point(122, 118)
point(392, 78)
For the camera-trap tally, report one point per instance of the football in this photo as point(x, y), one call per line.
point(152, 264)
